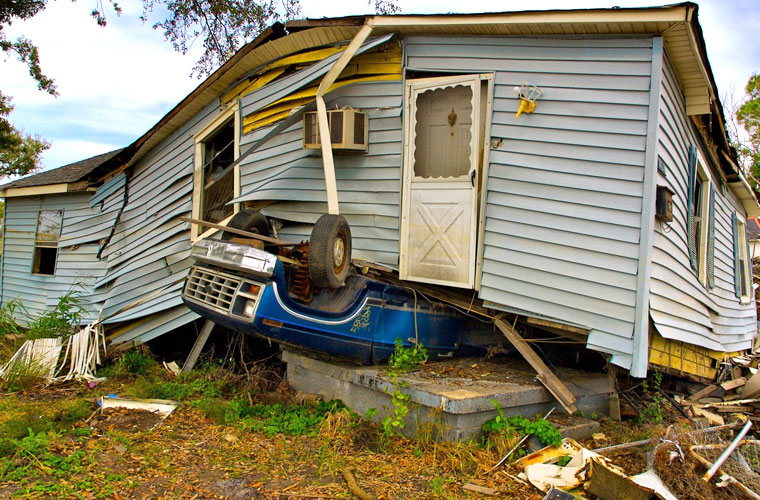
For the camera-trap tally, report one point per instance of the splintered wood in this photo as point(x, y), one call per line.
point(545, 375)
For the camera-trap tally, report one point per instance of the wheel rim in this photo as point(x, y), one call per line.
point(339, 252)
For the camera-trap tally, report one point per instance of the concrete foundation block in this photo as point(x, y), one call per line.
point(449, 408)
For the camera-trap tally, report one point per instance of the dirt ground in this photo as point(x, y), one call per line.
point(137, 455)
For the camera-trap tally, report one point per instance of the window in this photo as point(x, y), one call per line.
point(215, 184)
point(46, 241)
point(701, 224)
point(742, 276)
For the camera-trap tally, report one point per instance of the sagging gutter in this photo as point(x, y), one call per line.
point(324, 128)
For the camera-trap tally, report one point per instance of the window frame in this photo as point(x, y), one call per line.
point(704, 227)
point(232, 112)
point(743, 248)
point(38, 241)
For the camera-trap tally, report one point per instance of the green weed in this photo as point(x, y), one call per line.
point(135, 362)
point(402, 361)
point(654, 410)
point(284, 419)
point(517, 425)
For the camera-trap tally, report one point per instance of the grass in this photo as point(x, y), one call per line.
point(229, 427)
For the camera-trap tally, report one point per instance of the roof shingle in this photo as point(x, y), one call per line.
point(68, 173)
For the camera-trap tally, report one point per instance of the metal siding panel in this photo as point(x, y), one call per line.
point(565, 183)
point(680, 305)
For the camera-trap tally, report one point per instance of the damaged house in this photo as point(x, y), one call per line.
point(568, 167)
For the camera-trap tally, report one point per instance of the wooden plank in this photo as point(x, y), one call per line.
point(237, 231)
point(545, 376)
point(703, 393)
point(480, 489)
point(733, 384)
point(198, 346)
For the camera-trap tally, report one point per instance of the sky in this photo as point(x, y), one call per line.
point(116, 82)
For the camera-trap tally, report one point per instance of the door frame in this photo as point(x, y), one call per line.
point(407, 174)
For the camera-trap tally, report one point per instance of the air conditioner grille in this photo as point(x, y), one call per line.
point(359, 128)
point(336, 128)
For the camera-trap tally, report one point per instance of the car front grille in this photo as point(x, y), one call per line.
point(211, 288)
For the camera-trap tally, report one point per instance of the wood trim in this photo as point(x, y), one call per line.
point(35, 190)
point(640, 345)
point(677, 13)
point(489, 78)
point(231, 111)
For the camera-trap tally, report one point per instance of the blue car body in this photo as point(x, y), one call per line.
point(361, 321)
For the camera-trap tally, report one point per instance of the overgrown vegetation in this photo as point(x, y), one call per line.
point(654, 409)
point(17, 324)
point(402, 361)
point(61, 321)
point(502, 432)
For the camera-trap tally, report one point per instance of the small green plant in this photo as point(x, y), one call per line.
point(519, 425)
point(21, 375)
point(135, 362)
point(61, 321)
point(654, 410)
point(402, 361)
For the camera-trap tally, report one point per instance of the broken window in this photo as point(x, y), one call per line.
point(215, 152)
point(218, 180)
point(46, 241)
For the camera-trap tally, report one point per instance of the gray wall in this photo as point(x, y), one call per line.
point(369, 185)
point(76, 270)
point(681, 307)
point(565, 184)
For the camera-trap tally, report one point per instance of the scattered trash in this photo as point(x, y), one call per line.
point(609, 483)
point(162, 407)
point(172, 368)
point(557, 494)
point(39, 356)
point(543, 471)
point(82, 354)
point(483, 490)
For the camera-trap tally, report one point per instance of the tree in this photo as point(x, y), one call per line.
point(223, 25)
point(19, 153)
point(748, 116)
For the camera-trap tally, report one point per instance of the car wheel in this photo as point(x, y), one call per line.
point(330, 251)
point(248, 220)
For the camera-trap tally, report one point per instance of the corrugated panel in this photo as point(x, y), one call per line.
point(563, 209)
point(681, 307)
point(369, 185)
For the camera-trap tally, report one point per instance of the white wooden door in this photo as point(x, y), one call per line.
point(439, 213)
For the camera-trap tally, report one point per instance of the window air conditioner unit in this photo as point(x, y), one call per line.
point(348, 130)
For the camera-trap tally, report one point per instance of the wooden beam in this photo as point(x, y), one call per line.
point(198, 346)
point(240, 232)
point(545, 375)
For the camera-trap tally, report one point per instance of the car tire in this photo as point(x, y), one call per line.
point(249, 220)
point(330, 251)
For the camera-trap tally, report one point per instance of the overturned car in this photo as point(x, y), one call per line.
point(308, 295)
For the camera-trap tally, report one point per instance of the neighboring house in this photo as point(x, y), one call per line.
point(753, 233)
point(550, 215)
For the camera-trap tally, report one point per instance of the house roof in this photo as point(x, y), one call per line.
point(753, 228)
point(63, 176)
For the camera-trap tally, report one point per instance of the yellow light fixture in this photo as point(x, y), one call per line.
point(527, 95)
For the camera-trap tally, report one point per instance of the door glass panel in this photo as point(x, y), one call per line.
point(443, 132)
